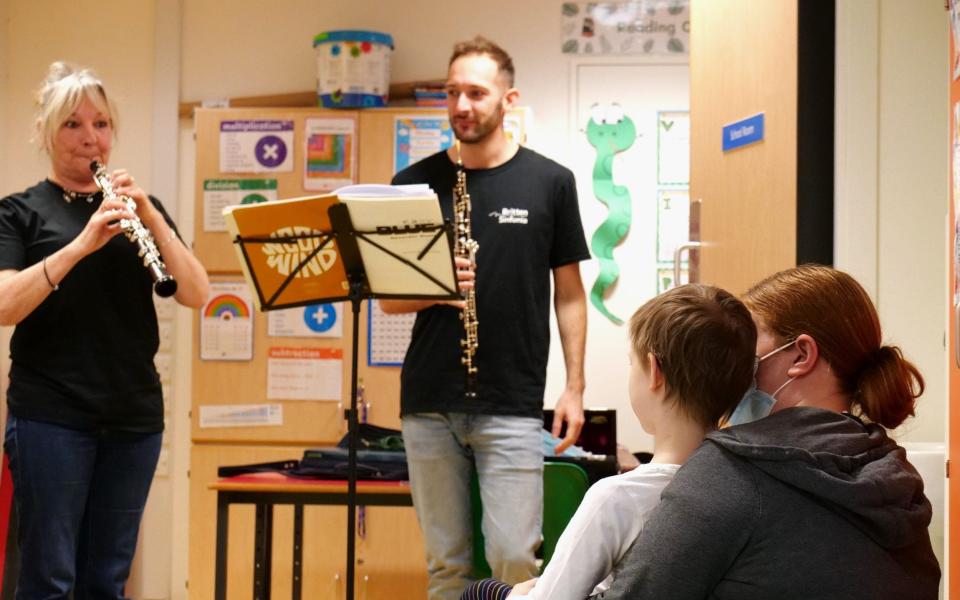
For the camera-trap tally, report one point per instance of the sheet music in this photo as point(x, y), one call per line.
point(379, 190)
point(405, 224)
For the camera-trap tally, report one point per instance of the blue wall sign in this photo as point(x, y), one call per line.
point(743, 132)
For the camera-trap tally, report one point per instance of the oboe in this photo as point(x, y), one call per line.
point(163, 283)
point(466, 247)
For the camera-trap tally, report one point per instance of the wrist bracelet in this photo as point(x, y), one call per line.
point(167, 240)
point(54, 286)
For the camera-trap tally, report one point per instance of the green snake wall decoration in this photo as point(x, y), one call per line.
point(610, 132)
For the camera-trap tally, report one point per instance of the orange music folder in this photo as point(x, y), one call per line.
point(288, 244)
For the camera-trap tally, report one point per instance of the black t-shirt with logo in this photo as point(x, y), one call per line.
point(526, 219)
point(84, 357)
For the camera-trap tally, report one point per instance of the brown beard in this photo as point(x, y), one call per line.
point(483, 128)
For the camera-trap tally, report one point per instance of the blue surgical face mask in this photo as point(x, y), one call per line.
point(756, 403)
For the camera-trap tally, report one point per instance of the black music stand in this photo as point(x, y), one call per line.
point(379, 242)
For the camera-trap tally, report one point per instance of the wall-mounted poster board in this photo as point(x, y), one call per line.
point(249, 155)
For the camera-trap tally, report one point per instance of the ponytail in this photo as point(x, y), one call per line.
point(887, 387)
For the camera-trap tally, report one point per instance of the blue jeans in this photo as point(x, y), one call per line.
point(442, 451)
point(79, 498)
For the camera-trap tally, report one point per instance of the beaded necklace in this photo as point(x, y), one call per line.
point(69, 195)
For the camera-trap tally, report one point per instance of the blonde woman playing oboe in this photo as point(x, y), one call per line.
point(85, 417)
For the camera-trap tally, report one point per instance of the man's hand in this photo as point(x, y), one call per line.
point(569, 409)
point(466, 274)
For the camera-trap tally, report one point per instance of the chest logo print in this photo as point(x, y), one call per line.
point(511, 215)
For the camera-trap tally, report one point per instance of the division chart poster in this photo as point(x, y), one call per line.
point(221, 193)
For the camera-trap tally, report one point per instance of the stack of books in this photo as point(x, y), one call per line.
point(430, 96)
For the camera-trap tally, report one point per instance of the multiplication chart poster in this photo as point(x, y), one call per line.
point(388, 336)
point(256, 146)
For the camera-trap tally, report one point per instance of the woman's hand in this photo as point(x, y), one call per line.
point(193, 286)
point(101, 227)
point(125, 185)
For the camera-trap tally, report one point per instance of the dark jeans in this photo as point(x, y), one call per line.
point(79, 497)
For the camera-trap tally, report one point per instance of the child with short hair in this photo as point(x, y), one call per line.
point(692, 359)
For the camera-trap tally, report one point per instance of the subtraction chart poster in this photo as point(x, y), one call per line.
point(226, 328)
point(330, 157)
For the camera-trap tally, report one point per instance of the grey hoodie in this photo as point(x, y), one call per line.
point(806, 503)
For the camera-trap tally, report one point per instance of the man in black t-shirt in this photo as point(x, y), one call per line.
point(526, 219)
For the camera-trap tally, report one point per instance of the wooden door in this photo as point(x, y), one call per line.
point(743, 61)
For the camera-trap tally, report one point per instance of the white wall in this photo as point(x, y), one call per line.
point(113, 37)
point(913, 198)
point(252, 49)
point(892, 180)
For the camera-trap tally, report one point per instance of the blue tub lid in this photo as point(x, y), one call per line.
point(353, 35)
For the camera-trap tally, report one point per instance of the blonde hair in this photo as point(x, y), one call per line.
point(61, 92)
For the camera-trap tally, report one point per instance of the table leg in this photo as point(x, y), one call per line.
point(263, 551)
point(297, 550)
point(223, 517)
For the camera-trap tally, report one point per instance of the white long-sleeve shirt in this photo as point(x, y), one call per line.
point(605, 525)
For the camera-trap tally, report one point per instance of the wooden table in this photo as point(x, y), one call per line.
point(265, 490)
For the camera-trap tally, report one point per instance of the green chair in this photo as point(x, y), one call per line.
point(564, 485)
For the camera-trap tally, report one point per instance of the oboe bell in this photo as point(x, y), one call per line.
point(164, 285)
